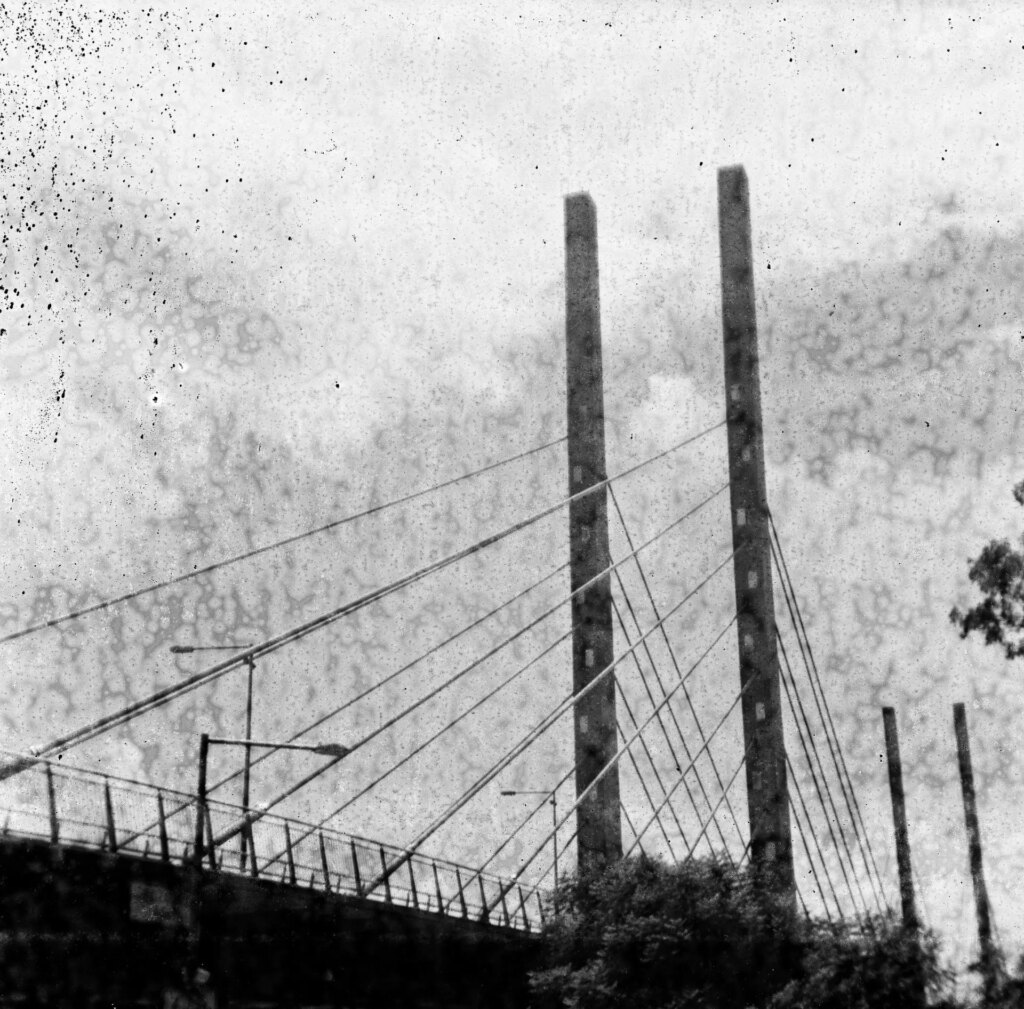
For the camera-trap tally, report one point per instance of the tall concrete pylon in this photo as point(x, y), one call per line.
point(599, 830)
point(771, 850)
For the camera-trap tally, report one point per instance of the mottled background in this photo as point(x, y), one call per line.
point(264, 268)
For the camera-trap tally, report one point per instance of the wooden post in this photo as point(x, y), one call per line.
point(771, 851)
point(599, 830)
point(989, 960)
point(899, 818)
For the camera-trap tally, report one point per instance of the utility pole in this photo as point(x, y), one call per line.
point(988, 959)
point(771, 851)
point(599, 831)
point(899, 817)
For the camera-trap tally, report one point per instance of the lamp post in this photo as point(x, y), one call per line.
point(250, 663)
point(206, 741)
point(552, 795)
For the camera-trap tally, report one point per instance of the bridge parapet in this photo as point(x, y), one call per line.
point(83, 808)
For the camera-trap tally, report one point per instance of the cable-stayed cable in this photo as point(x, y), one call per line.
point(800, 723)
point(535, 733)
point(334, 712)
point(725, 792)
point(160, 697)
point(820, 691)
point(675, 662)
point(791, 603)
point(654, 766)
point(257, 551)
point(629, 821)
point(617, 756)
point(704, 745)
point(450, 724)
point(646, 790)
point(810, 862)
point(596, 578)
point(817, 845)
point(660, 722)
point(671, 712)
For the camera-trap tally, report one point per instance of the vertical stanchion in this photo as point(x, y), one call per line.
point(771, 851)
point(289, 853)
point(462, 895)
point(412, 886)
point(437, 888)
point(599, 837)
point(246, 834)
point(323, 863)
point(483, 899)
point(51, 798)
point(988, 959)
point(108, 803)
point(386, 874)
point(165, 849)
point(355, 867)
point(200, 835)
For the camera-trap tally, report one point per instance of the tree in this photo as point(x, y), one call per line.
point(706, 935)
point(653, 936)
point(999, 574)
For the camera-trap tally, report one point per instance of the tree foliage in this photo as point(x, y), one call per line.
point(999, 574)
point(705, 935)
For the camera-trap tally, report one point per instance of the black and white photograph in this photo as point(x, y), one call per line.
point(512, 506)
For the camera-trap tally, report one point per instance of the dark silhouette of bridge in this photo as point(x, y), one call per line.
point(127, 880)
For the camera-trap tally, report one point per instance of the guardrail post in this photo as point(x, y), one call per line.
point(288, 853)
point(483, 899)
point(165, 851)
point(412, 884)
point(462, 896)
point(387, 875)
point(250, 840)
point(197, 848)
point(109, 804)
point(437, 887)
point(355, 868)
point(504, 906)
point(540, 909)
point(212, 852)
point(522, 908)
point(52, 800)
point(323, 863)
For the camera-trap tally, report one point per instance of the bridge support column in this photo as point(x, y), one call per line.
point(771, 850)
point(599, 831)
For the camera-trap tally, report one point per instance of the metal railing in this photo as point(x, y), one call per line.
point(74, 806)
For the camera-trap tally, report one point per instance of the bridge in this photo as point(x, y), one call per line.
point(130, 879)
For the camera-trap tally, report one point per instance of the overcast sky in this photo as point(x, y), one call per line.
point(263, 268)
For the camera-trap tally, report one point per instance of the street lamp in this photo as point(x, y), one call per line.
point(250, 663)
point(206, 741)
point(553, 797)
